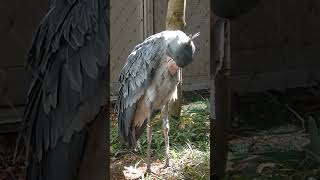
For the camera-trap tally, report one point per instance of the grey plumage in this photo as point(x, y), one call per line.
point(68, 60)
point(146, 84)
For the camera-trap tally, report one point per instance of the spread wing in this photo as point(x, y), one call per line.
point(135, 78)
point(68, 59)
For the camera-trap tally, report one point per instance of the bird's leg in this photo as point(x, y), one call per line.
point(133, 138)
point(165, 129)
point(149, 135)
point(136, 145)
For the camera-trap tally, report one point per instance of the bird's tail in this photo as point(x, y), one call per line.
point(133, 137)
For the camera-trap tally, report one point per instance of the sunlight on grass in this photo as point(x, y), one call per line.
point(189, 143)
point(191, 163)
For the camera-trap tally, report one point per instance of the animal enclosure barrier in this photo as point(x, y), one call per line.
point(132, 21)
point(18, 24)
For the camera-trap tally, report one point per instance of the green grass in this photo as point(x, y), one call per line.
point(189, 140)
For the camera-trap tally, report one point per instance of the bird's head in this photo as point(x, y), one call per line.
point(181, 48)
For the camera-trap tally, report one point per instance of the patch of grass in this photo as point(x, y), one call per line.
point(192, 163)
point(189, 141)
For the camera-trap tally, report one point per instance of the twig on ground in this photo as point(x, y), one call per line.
point(289, 108)
point(315, 156)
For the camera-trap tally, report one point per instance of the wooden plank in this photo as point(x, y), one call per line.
point(10, 127)
point(247, 31)
point(9, 112)
point(14, 86)
point(190, 83)
point(195, 86)
point(148, 18)
point(19, 20)
point(263, 60)
point(197, 17)
point(221, 106)
point(284, 22)
point(10, 119)
point(274, 80)
point(126, 27)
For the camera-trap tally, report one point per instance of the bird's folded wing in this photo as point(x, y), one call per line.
point(135, 77)
point(68, 60)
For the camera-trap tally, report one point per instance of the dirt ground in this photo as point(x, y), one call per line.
point(10, 170)
point(267, 141)
point(270, 138)
point(189, 155)
point(135, 169)
point(277, 153)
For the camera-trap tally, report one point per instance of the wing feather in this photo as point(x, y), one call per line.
point(74, 73)
point(69, 73)
point(135, 78)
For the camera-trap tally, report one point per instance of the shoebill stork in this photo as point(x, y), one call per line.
point(68, 60)
point(148, 82)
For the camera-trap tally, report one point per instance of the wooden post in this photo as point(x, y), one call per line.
point(176, 21)
point(219, 95)
point(220, 69)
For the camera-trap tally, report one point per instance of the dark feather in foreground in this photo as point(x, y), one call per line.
point(68, 60)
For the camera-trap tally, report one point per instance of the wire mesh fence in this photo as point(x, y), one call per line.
point(133, 21)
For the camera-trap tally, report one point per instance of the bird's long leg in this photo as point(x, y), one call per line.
point(149, 136)
point(165, 129)
point(136, 145)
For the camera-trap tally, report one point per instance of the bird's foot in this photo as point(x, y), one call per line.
point(165, 168)
point(137, 147)
point(166, 165)
point(148, 171)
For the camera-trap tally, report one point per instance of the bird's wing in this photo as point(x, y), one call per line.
point(68, 59)
point(134, 79)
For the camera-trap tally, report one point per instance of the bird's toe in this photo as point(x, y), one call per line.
point(166, 166)
point(148, 172)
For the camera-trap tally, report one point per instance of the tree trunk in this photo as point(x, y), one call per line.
point(176, 21)
point(220, 108)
